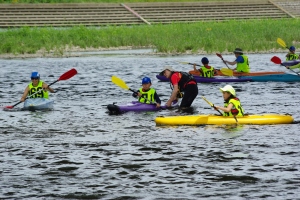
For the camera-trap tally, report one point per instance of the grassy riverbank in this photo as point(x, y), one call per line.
point(98, 1)
point(204, 37)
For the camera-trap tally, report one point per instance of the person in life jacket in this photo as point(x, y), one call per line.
point(36, 88)
point(232, 105)
point(146, 94)
point(182, 82)
point(241, 61)
point(206, 70)
point(292, 55)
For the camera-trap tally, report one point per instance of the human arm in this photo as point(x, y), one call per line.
point(157, 100)
point(25, 94)
point(173, 96)
point(294, 66)
point(47, 88)
point(227, 109)
point(136, 94)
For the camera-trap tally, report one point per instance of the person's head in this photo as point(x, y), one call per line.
point(146, 83)
point(167, 71)
point(204, 61)
point(228, 91)
point(35, 77)
point(237, 52)
point(292, 49)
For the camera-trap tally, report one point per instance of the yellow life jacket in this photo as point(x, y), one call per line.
point(292, 57)
point(237, 109)
point(243, 67)
point(41, 94)
point(207, 72)
point(146, 96)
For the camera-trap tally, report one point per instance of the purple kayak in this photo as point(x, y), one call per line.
point(201, 79)
point(291, 62)
point(136, 106)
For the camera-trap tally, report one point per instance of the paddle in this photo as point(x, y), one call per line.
point(220, 56)
point(277, 60)
point(226, 72)
point(67, 75)
point(213, 106)
point(119, 82)
point(190, 63)
point(282, 43)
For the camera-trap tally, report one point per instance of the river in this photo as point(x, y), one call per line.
point(79, 151)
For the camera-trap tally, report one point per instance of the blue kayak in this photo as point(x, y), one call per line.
point(38, 104)
point(136, 106)
point(291, 62)
point(200, 79)
point(275, 78)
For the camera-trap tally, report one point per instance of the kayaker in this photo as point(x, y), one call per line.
point(241, 61)
point(147, 94)
point(206, 70)
point(182, 83)
point(37, 86)
point(232, 104)
point(292, 55)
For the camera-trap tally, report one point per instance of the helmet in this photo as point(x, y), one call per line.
point(238, 50)
point(146, 80)
point(292, 48)
point(35, 75)
point(228, 88)
point(204, 60)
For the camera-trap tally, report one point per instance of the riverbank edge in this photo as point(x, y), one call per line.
point(86, 52)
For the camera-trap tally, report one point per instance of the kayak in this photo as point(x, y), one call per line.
point(200, 79)
point(219, 73)
point(38, 104)
point(136, 107)
point(195, 120)
point(291, 62)
point(275, 78)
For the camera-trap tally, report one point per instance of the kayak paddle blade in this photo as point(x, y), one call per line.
point(226, 72)
point(219, 55)
point(276, 60)
point(119, 82)
point(68, 74)
point(281, 43)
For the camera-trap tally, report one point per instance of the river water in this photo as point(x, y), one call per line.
point(80, 151)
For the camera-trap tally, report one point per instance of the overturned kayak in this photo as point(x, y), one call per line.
point(200, 79)
point(219, 73)
point(274, 78)
point(195, 120)
point(38, 104)
point(136, 107)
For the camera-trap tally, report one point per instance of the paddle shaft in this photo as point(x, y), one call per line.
point(220, 56)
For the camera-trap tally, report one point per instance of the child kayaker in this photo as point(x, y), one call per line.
point(147, 94)
point(36, 86)
point(232, 105)
point(206, 70)
point(241, 61)
point(292, 55)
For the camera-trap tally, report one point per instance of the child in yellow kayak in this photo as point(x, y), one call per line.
point(206, 70)
point(232, 105)
point(147, 94)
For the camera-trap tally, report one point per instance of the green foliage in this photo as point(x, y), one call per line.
point(250, 35)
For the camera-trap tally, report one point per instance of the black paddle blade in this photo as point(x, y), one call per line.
point(276, 60)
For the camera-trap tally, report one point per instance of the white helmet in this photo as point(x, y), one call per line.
point(228, 88)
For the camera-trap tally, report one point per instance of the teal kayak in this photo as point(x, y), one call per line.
point(274, 78)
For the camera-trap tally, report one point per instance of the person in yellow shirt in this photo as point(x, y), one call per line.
point(36, 88)
point(206, 70)
point(232, 104)
point(241, 61)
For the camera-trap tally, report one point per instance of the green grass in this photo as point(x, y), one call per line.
point(250, 35)
point(98, 1)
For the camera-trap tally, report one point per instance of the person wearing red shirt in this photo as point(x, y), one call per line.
point(182, 82)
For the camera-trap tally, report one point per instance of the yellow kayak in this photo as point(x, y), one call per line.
point(195, 120)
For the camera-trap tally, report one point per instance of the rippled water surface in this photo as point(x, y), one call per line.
point(80, 151)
